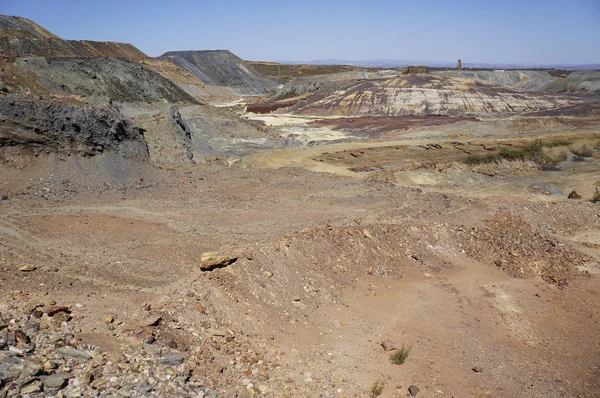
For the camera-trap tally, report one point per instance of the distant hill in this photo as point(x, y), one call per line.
point(392, 63)
point(223, 68)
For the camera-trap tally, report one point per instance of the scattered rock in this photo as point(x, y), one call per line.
point(574, 195)
point(388, 346)
point(268, 274)
point(477, 369)
point(212, 260)
point(413, 390)
point(28, 268)
point(108, 319)
point(3, 197)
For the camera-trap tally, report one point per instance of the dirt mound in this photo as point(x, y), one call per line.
point(222, 68)
point(519, 250)
point(423, 95)
point(101, 79)
point(523, 79)
point(11, 26)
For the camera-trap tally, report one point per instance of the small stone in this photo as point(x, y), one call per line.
point(217, 332)
point(152, 321)
point(21, 337)
point(49, 365)
point(51, 302)
point(3, 197)
point(87, 377)
point(574, 195)
point(53, 381)
point(172, 344)
point(296, 299)
point(108, 319)
point(477, 369)
point(200, 308)
point(268, 274)
point(62, 317)
point(413, 390)
point(388, 346)
point(28, 268)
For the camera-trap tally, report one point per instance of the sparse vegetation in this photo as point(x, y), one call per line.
point(399, 356)
point(542, 152)
point(376, 389)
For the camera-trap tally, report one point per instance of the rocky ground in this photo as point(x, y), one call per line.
point(159, 238)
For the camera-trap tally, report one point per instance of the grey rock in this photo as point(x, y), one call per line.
point(13, 368)
point(53, 381)
point(172, 359)
point(413, 390)
point(73, 353)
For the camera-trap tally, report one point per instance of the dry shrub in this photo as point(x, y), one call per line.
point(583, 148)
point(554, 155)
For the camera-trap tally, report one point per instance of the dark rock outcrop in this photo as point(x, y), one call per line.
point(48, 125)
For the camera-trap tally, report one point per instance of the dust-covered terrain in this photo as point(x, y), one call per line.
point(358, 234)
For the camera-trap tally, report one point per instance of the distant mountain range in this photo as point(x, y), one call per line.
point(393, 63)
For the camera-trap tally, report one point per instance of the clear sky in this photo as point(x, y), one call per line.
point(494, 31)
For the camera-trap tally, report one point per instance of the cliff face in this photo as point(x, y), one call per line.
point(222, 68)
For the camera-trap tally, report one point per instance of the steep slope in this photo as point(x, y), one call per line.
point(423, 95)
point(222, 68)
point(100, 79)
point(11, 26)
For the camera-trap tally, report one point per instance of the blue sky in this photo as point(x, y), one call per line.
point(505, 31)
